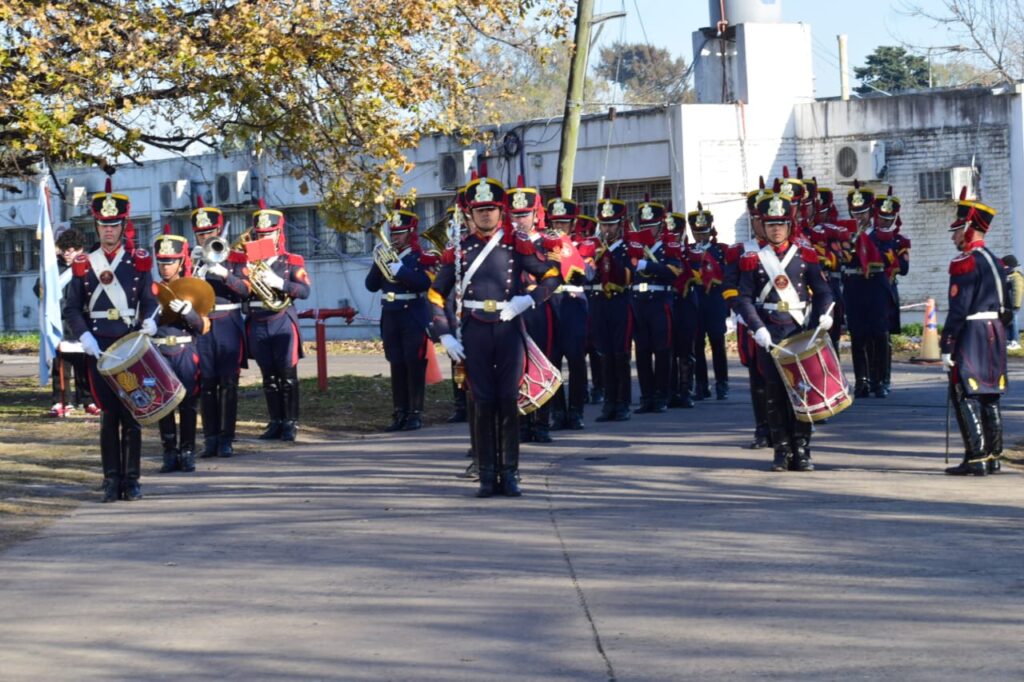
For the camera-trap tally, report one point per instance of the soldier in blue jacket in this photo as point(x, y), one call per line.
point(110, 295)
point(488, 265)
point(273, 335)
point(782, 292)
point(222, 353)
point(405, 314)
point(973, 340)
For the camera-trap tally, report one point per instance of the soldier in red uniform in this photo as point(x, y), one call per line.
point(711, 307)
point(973, 339)
point(895, 250)
point(110, 295)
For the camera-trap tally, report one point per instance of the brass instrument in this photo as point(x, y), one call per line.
point(215, 250)
point(192, 289)
point(273, 300)
point(384, 253)
point(437, 237)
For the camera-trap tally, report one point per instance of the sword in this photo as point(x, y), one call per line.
point(949, 407)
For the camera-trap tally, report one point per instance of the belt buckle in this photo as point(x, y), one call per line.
point(490, 306)
point(643, 287)
point(390, 296)
point(782, 307)
point(113, 314)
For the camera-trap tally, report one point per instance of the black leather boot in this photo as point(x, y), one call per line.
point(416, 376)
point(397, 421)
point(485, 426)
point(858, 351)
point(459, 413)
point(624, 388)
point(187, 443)
point(131, 444)
point(721, 390)
point(169, 441)
point(413, 421)
point(210, 446)
point(541, 429)
point(290, 395)
point(801, 460)
point(877, 349)
point(611, 388)
point(210, 407)
point(575, 420)
point(228, 416)
point(558, 418)
point(762, 434)
point(508, 415)
point(399, 396)
point(110, 455)
point(275, 409)
point(968, 418)
point(782, 455)
point(992, 426)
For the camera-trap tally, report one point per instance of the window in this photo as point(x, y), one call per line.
point(935, 186)
point(19, 251)
point(309, 237)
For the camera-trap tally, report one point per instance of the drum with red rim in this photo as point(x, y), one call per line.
point(141, 378)
point(815, 383)
point(540, 379)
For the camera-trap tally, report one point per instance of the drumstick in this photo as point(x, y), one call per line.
point(818, 329)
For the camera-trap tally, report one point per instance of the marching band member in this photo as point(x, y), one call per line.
point(611, 312)
point(273, 323)
point(654, 258)
point(685, 315)
point(179, 328)
point(782, 291)
point(588, 244)
point(712, 308)
point(896, 252)
point(405, 314)
point(222, 353)
point(832, 239)
point(973, 339)
point(110, 293)
point(487, 265)
point(527, 216)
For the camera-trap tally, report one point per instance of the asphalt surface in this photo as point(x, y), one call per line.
point(656, 549)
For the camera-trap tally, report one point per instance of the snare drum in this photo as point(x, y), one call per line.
point(540, 379)
point(814, 380)
point(141, 378)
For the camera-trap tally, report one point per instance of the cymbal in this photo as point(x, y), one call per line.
point(196, 291)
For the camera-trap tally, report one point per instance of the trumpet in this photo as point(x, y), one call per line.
point(215, 250)
point(384, 253)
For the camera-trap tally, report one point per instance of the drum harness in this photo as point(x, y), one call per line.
point(789, 300)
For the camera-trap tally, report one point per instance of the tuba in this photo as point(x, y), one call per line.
point(272, 299)
point(437, 236)
point(384, 253)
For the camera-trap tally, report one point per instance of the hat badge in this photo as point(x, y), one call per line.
point(887, 205)
point(671, 223)
point(787, 188)
point(109, 207)
point(607, 210)
point(396, 219)
point(483, 192)
point(775, 207)
point(166, 248)
point(264, 221)
point(646, 213)
point(203, 219)
point(519, 200)
point(858, 199)
point(558, 208)
point(701, 220)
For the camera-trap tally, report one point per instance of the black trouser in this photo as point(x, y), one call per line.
point(169, 435)
point(786, 430)
point(408, 381)
point(219, 405)
point(758, 398)
point(618, 380)
point(719, 359)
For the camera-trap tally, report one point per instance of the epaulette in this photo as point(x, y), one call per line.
point(523, 244)
point(749, 262)
point(143, 261)
point(448, 257)
point(80, 266)
point(733, 253)
point(296, 260)
point(237, 257)
point(904, 242)
point(429, 260)
point(962, 264)
point(809, 255)
point(550, 243)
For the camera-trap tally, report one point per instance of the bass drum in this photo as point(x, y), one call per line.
point(815, 382)
point(141, 378)
point(540, 379)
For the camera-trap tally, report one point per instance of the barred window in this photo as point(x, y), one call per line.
point(935, 186)
point(308, 234)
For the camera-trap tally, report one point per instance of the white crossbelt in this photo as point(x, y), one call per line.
point(789, 299)
point(489, 305)
point(569, 289)
point(988, 315)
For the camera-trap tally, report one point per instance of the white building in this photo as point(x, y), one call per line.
point(756, 114)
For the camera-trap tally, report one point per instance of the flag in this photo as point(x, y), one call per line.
point(51, 326)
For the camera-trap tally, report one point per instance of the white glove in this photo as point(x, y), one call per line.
point(394, 267)
point(180, 306)
point(453, 348)
point(763, 338)
point(825, 322)
point(517, 305)
point(148, 327)
point(217, 270)
point(641, 264)
point(273, 280)
point(89, 344)
point(197, 253)
point(947, 360)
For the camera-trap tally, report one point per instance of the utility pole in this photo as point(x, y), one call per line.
point(844, 68)
point(574, 97)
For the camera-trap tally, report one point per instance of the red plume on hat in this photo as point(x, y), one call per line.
point(777, 185)
point(785, 173)
point(608, 192)
point(799, 173)
point(262, 204)
point(474, 175)
point(199, 201)
point(519, 181)
point(760, 182)
point(483, 168)
point(167, 228)
point(963, 193)
point(856, 184)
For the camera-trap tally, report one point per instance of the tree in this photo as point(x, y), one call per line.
point(993, 32)
point(891, 69)
point(334, 88)
point(648, 75)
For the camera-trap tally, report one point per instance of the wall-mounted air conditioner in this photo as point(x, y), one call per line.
point(859, 160)
point(232, 188)
point(453, 168)
point(175, 195)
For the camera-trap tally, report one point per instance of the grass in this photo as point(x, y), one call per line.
point(19, 342)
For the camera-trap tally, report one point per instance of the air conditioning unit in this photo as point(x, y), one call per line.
point(175, 195)
point(861, 160)
point(453, 168)
point(232, 188)
point(960, 177)
point(76, 198)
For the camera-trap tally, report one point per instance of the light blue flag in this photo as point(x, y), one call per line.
point(51, 326)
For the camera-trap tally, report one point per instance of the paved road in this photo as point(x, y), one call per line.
point(652, 550)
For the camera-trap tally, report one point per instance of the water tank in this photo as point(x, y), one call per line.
point(746, 11)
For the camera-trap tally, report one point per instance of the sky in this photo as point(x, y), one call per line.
point(867, 24)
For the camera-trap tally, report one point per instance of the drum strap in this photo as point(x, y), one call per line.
point(479, 260)
point(775, 268)
point(114, 291)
